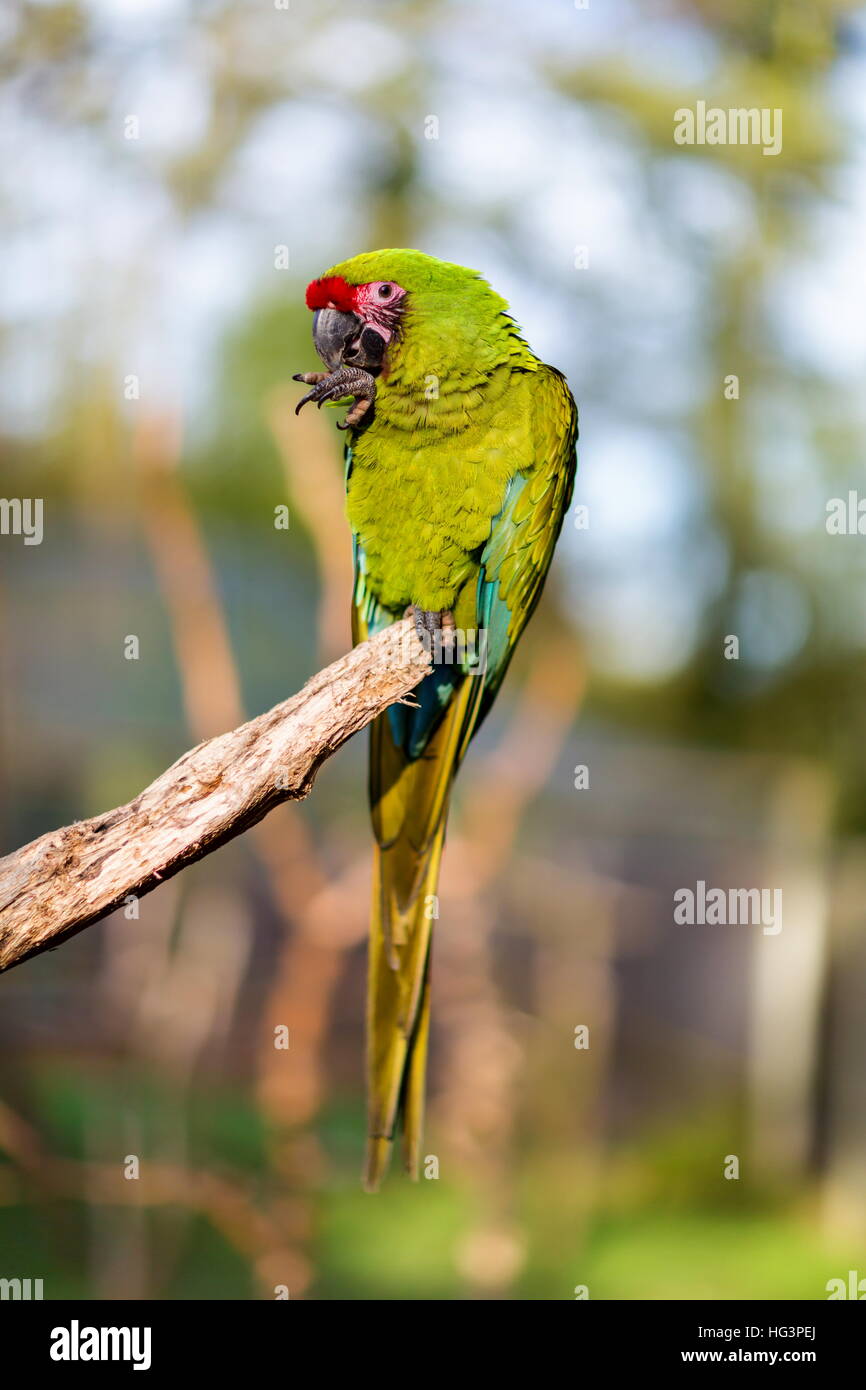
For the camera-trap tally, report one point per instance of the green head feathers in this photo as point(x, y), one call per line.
point(449, 320)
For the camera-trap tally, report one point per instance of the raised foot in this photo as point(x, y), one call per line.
point(332, 386)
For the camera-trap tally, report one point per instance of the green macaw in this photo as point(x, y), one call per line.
point(459, 469)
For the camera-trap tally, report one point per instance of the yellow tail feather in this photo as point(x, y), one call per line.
point(398, 1003)
point(415, 1087)
point(410, 822)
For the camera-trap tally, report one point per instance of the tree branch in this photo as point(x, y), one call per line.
point(69, 878)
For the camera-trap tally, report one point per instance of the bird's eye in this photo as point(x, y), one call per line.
point(384, 291)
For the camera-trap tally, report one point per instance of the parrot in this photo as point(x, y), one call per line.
point(460, 457)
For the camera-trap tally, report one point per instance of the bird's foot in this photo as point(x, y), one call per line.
point(333, 386)
point(435, 629)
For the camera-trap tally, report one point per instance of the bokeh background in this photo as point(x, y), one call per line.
point(173, 174)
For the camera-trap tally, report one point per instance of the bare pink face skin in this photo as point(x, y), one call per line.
point(378, 304)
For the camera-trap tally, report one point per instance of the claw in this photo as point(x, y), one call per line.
point(308, 379)
point(323, 390)
point(333, 386)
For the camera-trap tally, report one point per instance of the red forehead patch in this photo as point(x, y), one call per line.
point(331, 292)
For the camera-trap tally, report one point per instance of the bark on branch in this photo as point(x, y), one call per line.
point(69, 878)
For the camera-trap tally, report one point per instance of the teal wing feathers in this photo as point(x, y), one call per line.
point(517, 555)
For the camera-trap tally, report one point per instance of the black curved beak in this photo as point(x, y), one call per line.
point(342, 340)
point(333, 331)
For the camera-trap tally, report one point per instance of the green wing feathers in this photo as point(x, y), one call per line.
point(514, 562)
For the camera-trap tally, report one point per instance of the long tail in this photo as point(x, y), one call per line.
point(410, 807)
